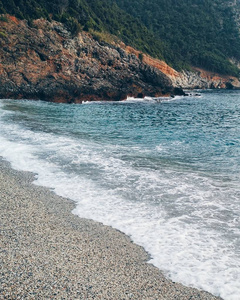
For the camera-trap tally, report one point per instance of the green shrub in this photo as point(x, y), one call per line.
point(73, 26)
point(3, 34)
point(3, 19)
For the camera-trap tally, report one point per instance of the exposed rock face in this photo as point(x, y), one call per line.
point(46, 63)
point(195, 79)
point(153, 62)
point(201, 79)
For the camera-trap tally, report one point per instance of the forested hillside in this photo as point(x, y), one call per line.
point(200, 32)
point(185, 33)
point(95, 16)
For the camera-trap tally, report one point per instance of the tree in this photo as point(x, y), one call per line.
point(59, 6)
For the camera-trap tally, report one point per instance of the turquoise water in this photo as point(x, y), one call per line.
point(167, 174)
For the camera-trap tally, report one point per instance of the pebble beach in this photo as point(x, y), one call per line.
point(46, 252)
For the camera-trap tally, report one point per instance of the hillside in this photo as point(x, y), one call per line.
point(44, 61)
point(202, 33)
point(184, 33)
point(94, 16)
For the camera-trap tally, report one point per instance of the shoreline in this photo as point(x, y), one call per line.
point(48, 252)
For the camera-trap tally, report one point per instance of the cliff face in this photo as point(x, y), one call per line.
point(202, 79)
point(195, 79)
point(45, 62)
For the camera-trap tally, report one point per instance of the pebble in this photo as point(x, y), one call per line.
point(46, 252)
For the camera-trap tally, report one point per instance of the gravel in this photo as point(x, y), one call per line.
point(46, 252)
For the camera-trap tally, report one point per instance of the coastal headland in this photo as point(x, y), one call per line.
point(45, 61)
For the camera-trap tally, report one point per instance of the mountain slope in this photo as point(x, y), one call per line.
point(184, 33)
point(77, 15)
point(45, 62)
point(202, 33)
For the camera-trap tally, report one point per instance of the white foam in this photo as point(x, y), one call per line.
point(146, 99)
point(185, 237)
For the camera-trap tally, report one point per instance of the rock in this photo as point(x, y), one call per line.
point(195, 79)
point(46, 63)
point(202, 79)
point(179, 92)
point(229, 86)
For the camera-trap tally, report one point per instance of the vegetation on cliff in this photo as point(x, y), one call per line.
point(202, 33)
point(46, 62)
point(91, 15)
point(184, 33)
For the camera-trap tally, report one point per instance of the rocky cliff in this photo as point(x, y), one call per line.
point(195, 79)
point(45, 62)
point(202, 79)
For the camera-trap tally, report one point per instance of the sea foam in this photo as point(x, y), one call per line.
point(178, 213)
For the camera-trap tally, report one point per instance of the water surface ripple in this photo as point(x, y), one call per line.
point(167, 174)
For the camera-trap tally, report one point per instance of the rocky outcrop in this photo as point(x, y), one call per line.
point(195, 79)
point(46, 62)
point(153, 62)
point(202, 79)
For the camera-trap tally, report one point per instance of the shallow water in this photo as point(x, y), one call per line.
point(167, 174)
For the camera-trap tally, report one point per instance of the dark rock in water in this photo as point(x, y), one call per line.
point(193, 94)
point(179, 92)
point(229, 86)
point(45, 62)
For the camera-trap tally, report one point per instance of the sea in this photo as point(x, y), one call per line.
point(166, 173)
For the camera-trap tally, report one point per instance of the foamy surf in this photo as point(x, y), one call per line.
point(147, 170)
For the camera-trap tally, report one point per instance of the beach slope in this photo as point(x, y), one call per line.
point(49, 253)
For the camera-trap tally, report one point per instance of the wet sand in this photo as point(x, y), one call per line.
point(46, 252)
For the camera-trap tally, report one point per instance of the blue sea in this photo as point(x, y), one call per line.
point(167, 174)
